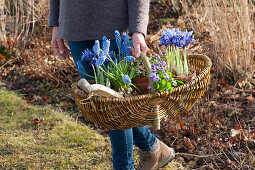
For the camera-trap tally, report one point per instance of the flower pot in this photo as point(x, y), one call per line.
point(142, 84)
point(186, 79)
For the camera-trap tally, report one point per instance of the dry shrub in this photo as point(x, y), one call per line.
point(231, 26)
point(19, 18)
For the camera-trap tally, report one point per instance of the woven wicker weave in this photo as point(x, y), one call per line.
point(141, 110)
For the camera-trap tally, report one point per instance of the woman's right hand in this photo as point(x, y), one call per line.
point(58, 45)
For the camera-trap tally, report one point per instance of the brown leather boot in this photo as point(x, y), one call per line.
point(157, 158)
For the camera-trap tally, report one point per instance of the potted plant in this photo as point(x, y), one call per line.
point(111, 69)
point(171, 69)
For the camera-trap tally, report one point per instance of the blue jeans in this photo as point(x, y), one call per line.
point(121, 140)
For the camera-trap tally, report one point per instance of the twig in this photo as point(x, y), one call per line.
point(8, 62)
point(199, 156)
point(66, 77)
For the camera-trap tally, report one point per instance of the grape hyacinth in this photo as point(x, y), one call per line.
point(80, 69)
point(100, 61)
point(126, 39)
point(129, 58)
point(96, 48)
point(106, 47)
point(87, 55)
point(110, 67)
point(118, 38)
point(126, 79)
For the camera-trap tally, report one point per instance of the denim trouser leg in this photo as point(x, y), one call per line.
point(121, 140)
point(143, 138)
point(122, 145)
point(122, 149)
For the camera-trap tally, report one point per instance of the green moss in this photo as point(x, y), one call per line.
point(57, 142)
point(164, 20)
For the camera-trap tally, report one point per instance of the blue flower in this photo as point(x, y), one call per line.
point(106, 47)
point(166, 76)
point(176, 37)
point(153, 67)
point(93, 61)
point(129, 58)
point(128, 51)
point(126, 79)
point(149, 87)
point(87, 55)
point(100, 61)
point(154, 77)
point(111, 55)
point(104, 38)
point(80, 69)
point(123, 48)
point(96, 47)
point(126, 39)
point(161, 63)
point(118, 38)
point(188, 38)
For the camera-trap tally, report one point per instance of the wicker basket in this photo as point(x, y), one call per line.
point(149, 109)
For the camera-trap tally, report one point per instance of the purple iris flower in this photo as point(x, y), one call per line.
point(176, 37)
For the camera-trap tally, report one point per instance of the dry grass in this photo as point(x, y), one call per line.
point(19, 18)
point(231, 26)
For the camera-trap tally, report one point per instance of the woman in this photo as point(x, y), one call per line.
point(81, 22)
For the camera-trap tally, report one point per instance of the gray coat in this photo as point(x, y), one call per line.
point(80, 20)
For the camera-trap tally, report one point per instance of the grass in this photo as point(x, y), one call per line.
point(58, 142)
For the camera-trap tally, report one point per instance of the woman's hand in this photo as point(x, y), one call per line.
point(138, 44)
point(58, 45)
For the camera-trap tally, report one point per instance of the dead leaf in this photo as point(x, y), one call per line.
point(37, 121)
point(2, 57)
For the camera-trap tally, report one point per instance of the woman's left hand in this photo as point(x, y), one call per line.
point(139, 44)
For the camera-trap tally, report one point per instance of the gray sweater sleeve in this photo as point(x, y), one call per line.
point(138, 11)
point(54, 13)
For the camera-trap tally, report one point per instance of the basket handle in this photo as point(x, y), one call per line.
point(147, 66)
point(155, 106)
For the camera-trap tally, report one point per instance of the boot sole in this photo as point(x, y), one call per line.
point(167, 160)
